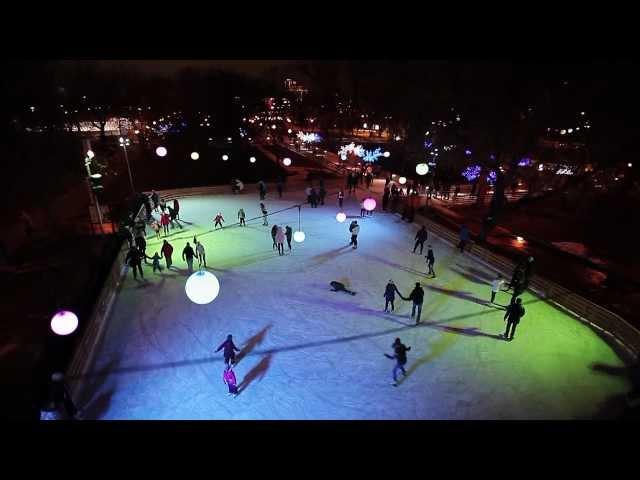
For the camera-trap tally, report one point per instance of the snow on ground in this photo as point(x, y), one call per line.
point(310, 353)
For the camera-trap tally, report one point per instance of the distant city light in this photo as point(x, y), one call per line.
point(570, 130)
point(343, 157)
point(467, 152)
point(563, 131)
point(195, 155)
point(225, 157)
point(629, 164)
point(273, 127)
point(581, 113)
point(252, 159)
point(364, 125)
point(286, 161)
point(422, 169)
point(386, 154)
point(540, 167)
point(289, 131)
point(136, 132)
point(161, 151)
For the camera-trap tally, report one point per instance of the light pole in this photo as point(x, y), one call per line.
point(91, 177)
point(124, 143)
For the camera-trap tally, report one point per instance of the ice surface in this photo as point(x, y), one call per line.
point(318, 354)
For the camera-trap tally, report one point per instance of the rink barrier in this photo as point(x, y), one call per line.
point(85, 350)
point(598, 317)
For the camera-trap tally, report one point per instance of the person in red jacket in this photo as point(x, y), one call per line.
point(218, 220)
point(166, 252)
point(229, 377)
point(164, 221)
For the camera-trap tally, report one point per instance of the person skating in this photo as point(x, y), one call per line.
point(241, 217)
point(134, 260)
point(514, 313)
point(340, 287)
point(155, 226)
point(363, 211)
point(322, 193)
point(430, 261)
point(229, 350)
point(314, 198)
point(274, 231)
point(421, 237)
point(307, 192)
point(167, 251)
point(173, 217)
point(385, 199)
point(155, 262)
point(164, 221)
point(288, 231)
point(280, 236)
point(188, 254)
point(218, 219)
point(390, 296)
point(400, 356)
point(464, 238)
point(229, 378)
point(417, 297)
point(163, 205)
point(141, 245)
point(202, 259)
point(155, 198)
point(495, 287)
point(340, 199)
point(280, 187)
point(262, 188)
point(355, 230)
point(264, 215)
point(176, 208)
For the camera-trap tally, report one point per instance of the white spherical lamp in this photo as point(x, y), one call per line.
point(299, 236)
point(225, 157)
point(195, 155)
point(252, 159)
point(422, 169)
point(387, 154)
point(202, 287)
point(341, 217)
point(161, 151)
point(369, 204)
point(343, 157)
point(286, 161)
point(90, 154)
point(402, 180)
point(64, 323)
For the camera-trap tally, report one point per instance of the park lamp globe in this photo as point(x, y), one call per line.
point(299, 236)
point(286, 161)
point(195, 155)
point(341, 217)
point(161, 151)
point(202, 287)
point(64, 323)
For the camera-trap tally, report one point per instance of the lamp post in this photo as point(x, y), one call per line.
point(92, 192)
point(124, 143)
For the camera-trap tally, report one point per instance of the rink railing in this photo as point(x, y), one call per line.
point(85, 350)
point(585, 310)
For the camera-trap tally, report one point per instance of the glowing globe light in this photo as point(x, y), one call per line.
point(161, 151)
point(195, 155)
point(225, 157)
point(562, 132)
point(286, 162)
point(402, 180)
point(289, 131)
point(398, 138)
point(570, 130)
point(299, 236)
point(252, 159)
point(341, 217)
point(273, 127)
point(90, 154)
point(202, 287)
point(422, 169)
point(629, 164)
point(369, 204)
point(343, 157)
point(386, 154)
point(64, 323)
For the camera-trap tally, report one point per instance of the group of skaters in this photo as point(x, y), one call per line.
point(278, 235)
point(315, 197)
point(358, 176)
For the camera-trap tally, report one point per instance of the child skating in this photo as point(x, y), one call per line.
point(229, 377)
point(218, 219)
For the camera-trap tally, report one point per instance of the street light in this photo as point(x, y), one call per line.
point(124, 143)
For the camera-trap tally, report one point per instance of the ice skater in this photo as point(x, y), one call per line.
point(280, 236)
point(307, 191)
point(164, 221)
point(134, 260)
point(339, 287)
point(229, 377)
point(340, 199)
point(430, 261)
point(288, 233)
point(514, 313)
point(241, 217)
point(155, 198)
point(167, 251)
point(141, 245)
point(218, 219)
point(314, 198)
point(496, 285)
point(176, 207)
point(355, 230)
point(173, 217)
point(155, 226)
point(363, 211)
point(155, 261)
point(202, 259)
point(264, 215)
point(400, 356)
point(274, 231)
point(262, 188)
point(421, 237)
point(188, 254)
point(390, 296)
point(417, 297)
point(229, 350)
point(464, 238)
point(322, 193)
point(280, 187)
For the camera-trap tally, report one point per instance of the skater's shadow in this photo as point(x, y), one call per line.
point(458, 294)
point(470, 332)
point(98, 406)
point(473, 275)
point(256, 373)
point(326, 256)
point(252, 343)
point(437, 348)
point(394, 265)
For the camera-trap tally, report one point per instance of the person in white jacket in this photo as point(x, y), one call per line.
point(495, 286)
point(355, 230)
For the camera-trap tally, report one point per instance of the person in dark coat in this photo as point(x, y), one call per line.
point(390, 295)
point(262, 188)
point(134, 260)
point(514, 313)
point(229, 350)
point(188, 254)
point(280, 188)
point(274, 231)
point(464, 237)
point(400, 356)
point(288, 232)
point(321, 194)
point(166, 252)
point(430, 261)
point(314, 198)
point(340, 287)
point(263, 209)
point(421, 237)
point(417, 296)
point(385, 198)
point(173, 217)
point(155, 198)
point(141, 245)
point(340, 198)
point(176, 207)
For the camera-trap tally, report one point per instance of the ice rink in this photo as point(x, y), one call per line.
point(310, 353)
